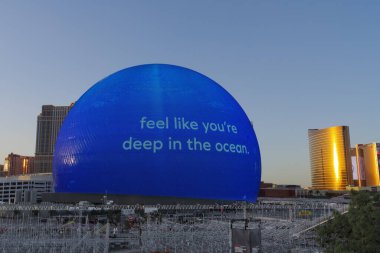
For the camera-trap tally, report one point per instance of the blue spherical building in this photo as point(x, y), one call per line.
point(158, 130)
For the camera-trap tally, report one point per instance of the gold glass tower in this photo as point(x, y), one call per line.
point(330, 158)
point(368, 170)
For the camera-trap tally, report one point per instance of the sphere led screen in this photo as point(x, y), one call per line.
point(158, 130)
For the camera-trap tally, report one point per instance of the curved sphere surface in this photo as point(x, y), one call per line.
point(158, 130)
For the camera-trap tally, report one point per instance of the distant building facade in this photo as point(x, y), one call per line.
point(270, 190)
point(49, 123)
point(330, 158)
point(277, 193)
point(365, 160)
point(25, 188)
point(266, 185)
point(2, 173)
point(18, 165)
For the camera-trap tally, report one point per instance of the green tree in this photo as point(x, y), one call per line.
point(356, 231)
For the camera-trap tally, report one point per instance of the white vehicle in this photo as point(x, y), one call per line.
point(127, 211)
point(150, 209)
point(84, 203)
point(93, 208)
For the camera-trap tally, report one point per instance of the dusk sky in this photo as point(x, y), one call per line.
point(292, 65)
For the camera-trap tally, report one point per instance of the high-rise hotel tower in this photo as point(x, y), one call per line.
point(330, 158)
point(49, 123)
point(366, 164)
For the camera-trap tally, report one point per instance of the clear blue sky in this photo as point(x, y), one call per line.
point(292, 65)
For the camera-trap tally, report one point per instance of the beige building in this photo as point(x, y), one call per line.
point(330, 159)
point(17, 165)
point(49, 123)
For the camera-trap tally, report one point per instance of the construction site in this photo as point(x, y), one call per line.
point(276, 226)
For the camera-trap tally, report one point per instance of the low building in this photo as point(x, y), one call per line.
point(25, 188)
point(270, 190)
point(364, 188)
point(277, 193)
point(288, 186)
point(266, 185)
